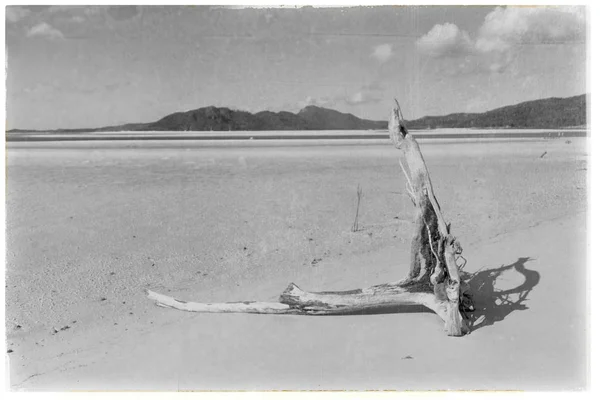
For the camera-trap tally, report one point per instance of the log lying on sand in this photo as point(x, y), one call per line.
point(299, 302)
point(434, 279)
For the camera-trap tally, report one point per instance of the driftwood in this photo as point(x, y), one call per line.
point(433, 281)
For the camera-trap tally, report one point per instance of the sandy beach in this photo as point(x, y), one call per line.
point(91, 225)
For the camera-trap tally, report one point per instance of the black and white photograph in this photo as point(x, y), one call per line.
point(297, 197)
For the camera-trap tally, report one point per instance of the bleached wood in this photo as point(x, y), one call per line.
point(253, 307)
point(411, 156)
point(299, 302)
point(433, 248)
point(434, 280)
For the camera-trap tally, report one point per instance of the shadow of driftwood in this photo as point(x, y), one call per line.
point(388, 309)
point(492, 305)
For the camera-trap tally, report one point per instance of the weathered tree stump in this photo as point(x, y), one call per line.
point(433, 280)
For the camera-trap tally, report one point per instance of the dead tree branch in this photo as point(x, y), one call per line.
point(433, 280)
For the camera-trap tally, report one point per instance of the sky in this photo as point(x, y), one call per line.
point(93, 66)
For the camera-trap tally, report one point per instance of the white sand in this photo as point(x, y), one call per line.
point(86, 224)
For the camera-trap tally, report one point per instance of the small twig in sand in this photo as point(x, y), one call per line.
point(358, 196)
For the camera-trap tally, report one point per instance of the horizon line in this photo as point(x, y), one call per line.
point(586, 94)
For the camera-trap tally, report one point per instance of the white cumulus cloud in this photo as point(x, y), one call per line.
point(445, 40)
point(502, 33)
point(45, 30)
point(507, 27)
point(382, 52)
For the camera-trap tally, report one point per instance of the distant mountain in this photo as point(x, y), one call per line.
point(325, 119)
point(546, 113)
point(224, 119)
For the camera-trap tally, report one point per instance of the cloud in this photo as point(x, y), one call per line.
point(502, 33)
point(78, 19)
point(505, 28)
point(361, 97)
point(318, 101)
point(15, 13)
point(445, 40)
point(382, 52)
point(370, 92)
point(45, 30)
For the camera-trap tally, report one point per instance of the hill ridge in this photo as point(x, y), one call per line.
point(553, 112)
